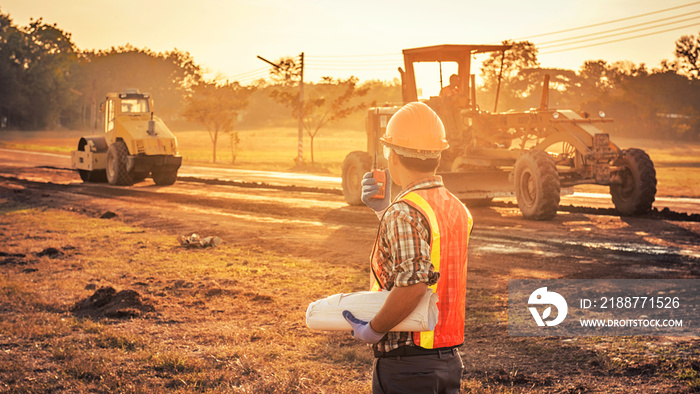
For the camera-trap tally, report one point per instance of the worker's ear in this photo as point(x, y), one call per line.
point(394, 157)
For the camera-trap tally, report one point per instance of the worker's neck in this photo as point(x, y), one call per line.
point(403, 176)
point(408, 177)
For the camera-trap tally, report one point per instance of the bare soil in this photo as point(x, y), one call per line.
point(212, 330)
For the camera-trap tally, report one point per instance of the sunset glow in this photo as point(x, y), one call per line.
point(365, 38)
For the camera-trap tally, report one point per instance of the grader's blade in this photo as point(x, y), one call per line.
point(478, 184)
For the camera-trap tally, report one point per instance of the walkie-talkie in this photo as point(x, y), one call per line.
point(380, 176)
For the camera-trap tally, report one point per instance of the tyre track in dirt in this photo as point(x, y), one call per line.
point(666, 208)
point(310, 224)
point(305, 225)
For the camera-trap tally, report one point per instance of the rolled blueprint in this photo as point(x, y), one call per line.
point(327, 313)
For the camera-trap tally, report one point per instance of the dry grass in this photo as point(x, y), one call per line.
point(274, 148)
point(232, 320)
point(226, 320)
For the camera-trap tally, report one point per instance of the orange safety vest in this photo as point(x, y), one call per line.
point(450, 226)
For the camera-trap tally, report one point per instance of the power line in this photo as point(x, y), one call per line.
point(609, 22)
point(613, 35)
point(250, 76)
point(329, 65)
point(375, 63)
point(360, 62)
point(350, 69)
point(621, 39)
point(342, 56)
point(624, 28)
point(245, 74)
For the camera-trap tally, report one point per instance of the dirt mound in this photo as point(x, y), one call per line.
point(107, 302)
point(51, 253)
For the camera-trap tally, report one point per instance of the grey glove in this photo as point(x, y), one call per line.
point(370, 188)
point(362, 330)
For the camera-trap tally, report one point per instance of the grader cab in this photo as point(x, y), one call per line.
point(532, 155)
point(135, 144)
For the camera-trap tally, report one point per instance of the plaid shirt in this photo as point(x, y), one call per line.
point(403, 253)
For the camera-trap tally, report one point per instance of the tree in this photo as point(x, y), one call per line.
point(46, 82)
point(525, 88)
point(324, 108)
point(592, 88)
point(325, 102)
point(594, 77)
point(51, 61)
point(521, 79)
point(287, 72)
point(36, 65)
point(657, 104)
point(167, 76)
point(217, 106)
point(13, 106)
point(688, 56)
point(522, 56)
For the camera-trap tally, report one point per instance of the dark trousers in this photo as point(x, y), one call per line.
point(418, 374)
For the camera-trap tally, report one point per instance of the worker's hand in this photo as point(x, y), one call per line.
point(362, 330)
point(371, 188)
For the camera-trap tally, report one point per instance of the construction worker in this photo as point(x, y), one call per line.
point(421, 244)
point(452, 100)
point(451, 91)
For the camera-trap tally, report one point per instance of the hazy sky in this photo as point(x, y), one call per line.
point(362, 37)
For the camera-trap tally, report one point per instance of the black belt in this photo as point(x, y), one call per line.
point(407, 351)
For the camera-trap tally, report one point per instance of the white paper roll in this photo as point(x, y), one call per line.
point(327, 313)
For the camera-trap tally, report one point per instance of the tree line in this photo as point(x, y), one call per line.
point(46, 82)
point(662, 102)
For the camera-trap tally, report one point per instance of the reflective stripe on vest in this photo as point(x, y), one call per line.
point(427, 337)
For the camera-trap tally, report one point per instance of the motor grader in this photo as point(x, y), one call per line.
point(135, 144)
point(533, 155)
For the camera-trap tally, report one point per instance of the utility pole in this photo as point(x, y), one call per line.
point(301, 112)
point(300, 106)
point(500, 75)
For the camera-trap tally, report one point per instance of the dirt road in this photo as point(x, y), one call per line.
point(327, 184)
point(298, 216)
point(302, 223)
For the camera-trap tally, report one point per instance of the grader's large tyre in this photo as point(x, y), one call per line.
point(355, 165)
point(117, 173)
point(636, 192)
point(537, 186)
